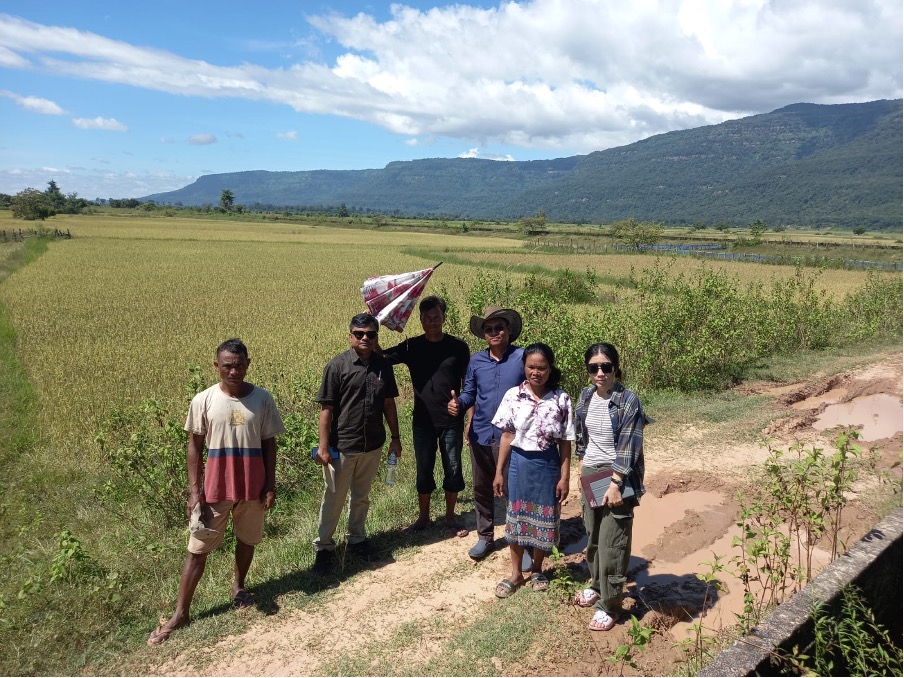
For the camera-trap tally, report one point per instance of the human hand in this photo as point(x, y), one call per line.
point(193, 499)
point(268, 497)
point(613, 496)
point(323, 455)
point(562, 488)
point(395, 447)
point(453, 408)
point(499, 485)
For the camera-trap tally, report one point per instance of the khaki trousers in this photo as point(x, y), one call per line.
point(350, 476)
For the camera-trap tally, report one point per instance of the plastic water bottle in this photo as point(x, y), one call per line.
point(392, 462)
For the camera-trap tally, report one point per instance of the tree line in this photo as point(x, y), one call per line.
point(33, 205)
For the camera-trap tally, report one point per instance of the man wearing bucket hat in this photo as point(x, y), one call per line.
point(490, 374)
point(238, 423)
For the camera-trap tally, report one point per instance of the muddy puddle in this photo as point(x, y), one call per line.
point(677, 537)
point(879, 415)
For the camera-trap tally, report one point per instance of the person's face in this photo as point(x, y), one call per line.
point(536, 370)
point(496, 332)
point(432, 321)
point(232, 367)
point(598, 377)
point(363, 339)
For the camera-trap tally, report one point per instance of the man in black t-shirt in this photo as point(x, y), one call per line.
point(437, 362)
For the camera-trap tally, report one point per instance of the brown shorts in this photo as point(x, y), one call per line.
point(247, 523)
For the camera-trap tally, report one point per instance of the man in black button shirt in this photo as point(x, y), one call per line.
point(437, 362)
point(356, 394)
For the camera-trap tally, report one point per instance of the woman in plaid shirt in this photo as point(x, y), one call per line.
point(609, 423)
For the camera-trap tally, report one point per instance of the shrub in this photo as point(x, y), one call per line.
point(145, 447)
point(699, 331)
point(687, 332)
point(873, 310)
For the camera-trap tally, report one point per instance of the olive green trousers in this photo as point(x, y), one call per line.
point(608, 549)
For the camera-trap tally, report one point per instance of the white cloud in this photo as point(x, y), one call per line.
point(109, 124)
point(576, 74)
point(10, 59)
point(202, 139)
point(288, 136)
point(475, 153)
point(34, 104)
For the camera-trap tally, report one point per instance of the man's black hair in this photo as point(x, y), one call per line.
point(431, 302)
point(363, 320)
point(234, 345)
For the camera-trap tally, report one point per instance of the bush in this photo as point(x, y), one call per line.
point(689, 332)
point(145, 446)
point(873, 310)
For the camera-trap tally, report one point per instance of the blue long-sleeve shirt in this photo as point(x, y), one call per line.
point(486, 381)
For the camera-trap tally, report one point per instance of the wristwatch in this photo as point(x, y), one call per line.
point(619, 483)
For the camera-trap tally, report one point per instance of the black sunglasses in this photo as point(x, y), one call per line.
point(607, 368)
point(360, 334)
point(494, 329)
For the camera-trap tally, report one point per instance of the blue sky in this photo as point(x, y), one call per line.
point(114, 99)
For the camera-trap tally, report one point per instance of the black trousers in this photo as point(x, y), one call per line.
point(483, 471)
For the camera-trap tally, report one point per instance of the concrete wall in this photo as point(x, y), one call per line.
point(874, 564)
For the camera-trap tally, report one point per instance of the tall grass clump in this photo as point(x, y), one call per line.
point(850, 642)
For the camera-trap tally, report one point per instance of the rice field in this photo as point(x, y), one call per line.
point(836, 282)
point(119, 312)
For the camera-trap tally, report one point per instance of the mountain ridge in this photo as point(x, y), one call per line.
point(803, 164)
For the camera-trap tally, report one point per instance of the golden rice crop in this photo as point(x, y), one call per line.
point(105, 320)
point(837, 282)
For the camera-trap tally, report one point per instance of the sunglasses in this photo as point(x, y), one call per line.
point(360, 334)
point(607, 368)
point(494, 329)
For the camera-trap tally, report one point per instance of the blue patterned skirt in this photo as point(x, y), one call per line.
point(532, 518)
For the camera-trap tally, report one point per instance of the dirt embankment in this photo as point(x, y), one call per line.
point(688, 515)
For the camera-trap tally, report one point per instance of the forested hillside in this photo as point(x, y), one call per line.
point(805, 164)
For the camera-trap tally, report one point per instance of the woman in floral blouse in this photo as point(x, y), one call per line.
point(537, 421)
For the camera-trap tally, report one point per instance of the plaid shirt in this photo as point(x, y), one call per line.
point(628, 421)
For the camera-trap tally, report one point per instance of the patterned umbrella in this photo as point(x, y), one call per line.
point(391, 298)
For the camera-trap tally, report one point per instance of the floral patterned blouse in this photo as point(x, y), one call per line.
point(537, 424)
